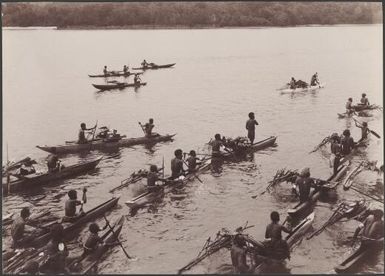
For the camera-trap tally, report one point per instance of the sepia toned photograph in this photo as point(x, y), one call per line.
point(207, 137)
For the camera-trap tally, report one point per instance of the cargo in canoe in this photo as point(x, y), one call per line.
point(101, 144)
point(154, 66)
point(302, 208)
point(358, 254)
point(69, 228)
point(360, 107)
point(33, 180)
point(104, 87)
point(85, 264)
point(298, 90)
point(268, 142)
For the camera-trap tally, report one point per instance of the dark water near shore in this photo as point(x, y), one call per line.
point(219, 77)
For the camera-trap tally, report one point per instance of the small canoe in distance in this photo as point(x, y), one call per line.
point(69, 228)
point(100, 144)
point(85, 264)
point(154, 66)
point(302, 208)
point(115, 74)
point(33, 180)
point(307, 89)
point(104, 87)
point(358, 254)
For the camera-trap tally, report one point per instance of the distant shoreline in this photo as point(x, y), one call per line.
point(179, 27)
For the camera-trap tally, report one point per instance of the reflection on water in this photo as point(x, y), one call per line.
point(219, 77)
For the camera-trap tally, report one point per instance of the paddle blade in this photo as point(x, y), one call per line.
point(375, 134)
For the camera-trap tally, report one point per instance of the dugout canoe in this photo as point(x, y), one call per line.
point(358, 254)
point(104, 87)
point(150, 67)
point(359, 144)
point(101, 144)
point(268, 142)
point(85, 264)
point(298, 90)
point(149, 197)
point(301, 208)
point(112, 74)
point(69, 228)
point(33, 180)
point(360, 107)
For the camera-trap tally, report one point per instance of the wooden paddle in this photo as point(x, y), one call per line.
point(142, 127)
point(371, 131)
point(365, 194)
point(84, 199)
point(193, 173)
point(117, 238)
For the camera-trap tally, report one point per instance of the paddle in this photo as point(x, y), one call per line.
point(117, 238)
point(142, 127)
point(84, 199)
point(193, 173)
point(371, 131)
point(365, 194)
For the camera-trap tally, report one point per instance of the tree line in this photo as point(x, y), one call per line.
point(188, 14)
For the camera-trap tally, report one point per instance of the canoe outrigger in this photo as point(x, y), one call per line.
point(32, 180)
point(98, 144)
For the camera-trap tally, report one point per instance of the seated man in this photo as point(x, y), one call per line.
point(192, 161)
point(152, 178)
point(292, 83)
point(364, 100)
point(70, 206)
point(372, 230)
point(314, 80)
point(19, 237)
point(53, 163)
point(349, 106)
point(93, 240)
point(81, 136)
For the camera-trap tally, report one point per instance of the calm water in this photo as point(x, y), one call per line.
point(219, 77)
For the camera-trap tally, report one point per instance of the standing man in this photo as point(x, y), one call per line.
point(250, 126)
point(364, 130)
point(273, 237)
point(148, 127)
point(192, 161)
point(349, 106)
point(304, 183)
point(347, 142)
point(105, 72)
point(177, 164)
point(152, 178)
point(137, 79)
point(19, 238)
point(335, 148)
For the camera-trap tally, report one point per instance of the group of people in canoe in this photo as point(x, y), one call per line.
point(294, 84)
point(352, 109)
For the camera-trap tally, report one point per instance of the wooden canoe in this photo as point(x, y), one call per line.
point(100, 144)
point(265, 143)
point(361, 107)
point(111, 74)
point(301, 208)
point(85, 264)
point(33, 180)
point(150, 67)
point(69, 228)
point(358, 254)
point(297, 90)
point(104, 87)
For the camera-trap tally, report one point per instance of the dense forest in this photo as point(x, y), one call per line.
point(188, 14)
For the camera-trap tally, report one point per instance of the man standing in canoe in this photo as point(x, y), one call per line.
point(137, 79)
point(144, 64)
point(250, 126)
point(216, 155)
point(372, 230)
point(238, 256)
point(349, 106)
point(347, 142)
point(335, 148)
point(364, 100)
point(105, 72)
point(81, 136)
point(364, 130)
point(273, 237)
point(125, 69)
point(148, 127)
point(19, 238)
point(314, 80)
point(292, 83)
point(177, 164)
point(304, 183)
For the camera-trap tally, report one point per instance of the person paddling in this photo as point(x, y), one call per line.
point(314, 80)
point(177, 164)
point(19, 237)
point(292, 83)
point(372, 230)
point(70, 206)
point(250, 126)
point(238, 256)
point(93, 239)
point(81, 136)
point(137, 79)
point(273, 237)
point(349, 106)
point(364, 130)
point(347, 142)
point(192, 161)
point(304, 183)
point(125, 69)
point(105, 72)
point(144, 64)
point(148, 127)
point(364, 100)
point(152, 178)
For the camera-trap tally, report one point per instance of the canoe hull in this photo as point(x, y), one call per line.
point(268, 142)
point(114, 75)
point(100, 144)
point(155, 67)
point(33, 181)
point(298, 90)
point(70, 227)
point(117, 86)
